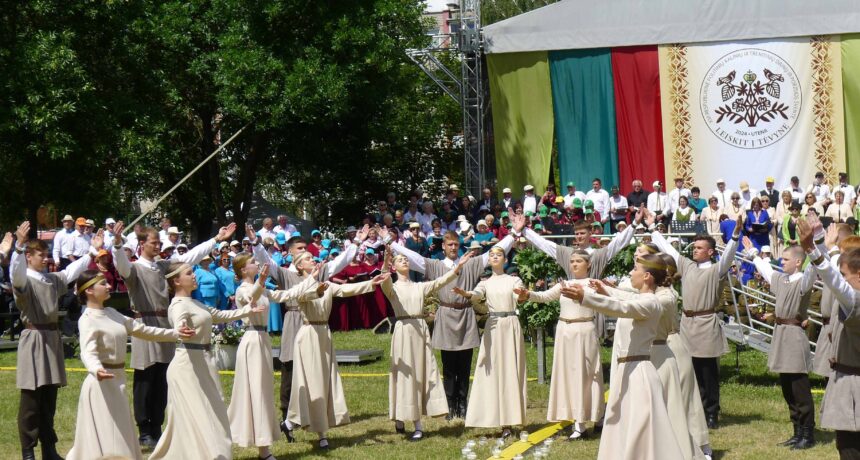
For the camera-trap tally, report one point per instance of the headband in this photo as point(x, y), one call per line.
point(177, 271)
point(652, 265)
point(400, 256)
point(91, 282)
point(648, 249)
point(497, 249)
point(300, 257)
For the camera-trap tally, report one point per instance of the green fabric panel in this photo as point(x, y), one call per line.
point(584, 104)
point(851, 99)
point(522, 119)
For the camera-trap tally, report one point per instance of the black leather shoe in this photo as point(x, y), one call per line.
point(416, 436)
point(287, 432)
point(147, 441)
point(323, 446)
point(792, 440)
point(399, 429)
point(49, 452)
point(461, 409)
point(806, 439)
point(28, 454)
point(712, 422)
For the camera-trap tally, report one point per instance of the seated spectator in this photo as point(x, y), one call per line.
point(696, 201)
point(316, 243)
point(484, 235)
point(839, 211)
point(810, 202)
point(684, 214)
point(182, 249)
point(735, 207)
point(757, 224)
point(427, 217)
point(549, 196)
point(789, 225)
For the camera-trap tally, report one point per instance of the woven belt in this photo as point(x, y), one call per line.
point(632, 358)
point(502, 314)
point(691, 313)
point(576, 320)
point(659, 342)
point(196, 346)
point(291, 308)
point(42, 326)
point(315, 323)
point(788, 322)
point(257, 328)
point(145, 314)
point(844, 368)
point(113, 365)
point(456, 306)
point(401, 318)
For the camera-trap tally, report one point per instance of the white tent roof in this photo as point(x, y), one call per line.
point(577, 24)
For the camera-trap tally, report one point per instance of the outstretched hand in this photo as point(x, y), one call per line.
point(6, 244)
point(224, 233)
point(573, 291)
point(264, 275)
point(379, 279)
point(522, 294)
point(186, 332)
point(251, 234)
point(831, 236)
point(363, 233)
point(640, 214)
point(804, 235)
point(321, 289)
point(739, 225)
point(117, 233)
point(23, 233)
point(461, 292)
point(518, 221)
point(650, 218)
point(383, 232)
point(465, 258)
point(748, 244)
point(599, 286)
point(98, 241)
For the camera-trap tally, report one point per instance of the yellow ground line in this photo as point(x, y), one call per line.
point(534, 439)
point(347, 375)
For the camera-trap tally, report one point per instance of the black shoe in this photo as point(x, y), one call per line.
point(792, 440)
point(598, 428)
point(323, 447)
point(28, 454)
point(506, 433)
point(147, 441)
point(806, 439)
point(416, 436)
point(449, 416)
point(399, 429)
point(461, 409)
point(49, 452)
point(712, 422)
point(287, 432)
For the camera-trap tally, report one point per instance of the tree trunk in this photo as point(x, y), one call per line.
point(244, 192)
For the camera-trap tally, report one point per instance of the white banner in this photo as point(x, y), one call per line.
point(743, 111)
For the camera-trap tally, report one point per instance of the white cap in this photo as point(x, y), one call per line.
point(765, 248)
point(465, 226)
point(168, 246)
point(181, 245)
point(461, 218)
point(721, 181)
point(173, 231)
point(528, 188)
point(656, 183)
point(222, 245)
point(481, 222)
point(506, 190)
point(109, 221)
point(235, 243)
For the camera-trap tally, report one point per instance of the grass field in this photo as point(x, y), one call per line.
point(754, 416)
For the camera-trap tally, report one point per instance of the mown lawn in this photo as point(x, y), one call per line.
point(754, 415)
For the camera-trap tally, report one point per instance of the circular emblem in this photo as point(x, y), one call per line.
point(750, 98)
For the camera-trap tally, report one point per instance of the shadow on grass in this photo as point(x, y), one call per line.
point(728, 420)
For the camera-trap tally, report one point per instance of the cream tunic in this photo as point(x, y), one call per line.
point(498, 396)
point(414, 385)
point(576, 387)
point(252, 406)
point(637, 424)
point(104, 424)
point(197, 422)
point(317, 402)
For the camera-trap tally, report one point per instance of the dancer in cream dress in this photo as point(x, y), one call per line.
point(498, 397)
point(576, 388)
point(197, 423)
point(414, 386)
point(104, 426)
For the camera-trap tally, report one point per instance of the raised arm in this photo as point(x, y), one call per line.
point(350, 290)
point(225, 316)
point(546, 246)
point(309, 286)
point(18, 269)
point(809, 278)
point(197, 253)
point(658, 239)
point(634, 308)
point(505, 244)
point(120, 258)
point(340, 262)
point(140, 330)
point(834, 280)
point(416, 262)
point(74, 270)
point(620, 241)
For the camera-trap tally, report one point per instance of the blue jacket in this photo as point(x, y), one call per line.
point(226, 279)
point(208, 288)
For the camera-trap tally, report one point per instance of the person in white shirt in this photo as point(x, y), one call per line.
point(722, 194)
point(600, 198)
point(795, 190)
point(820, 189)
point(839, 210)
point(508, 200)
point(747, 194)
point(284, 226)
point(81, 244)
point(658, 201)
point(617, 209)
point(165, 225)
point(675, 195)
point(109, 224)
point(427, 217)
point(64, 243)
point(266, 231)
point(847, 190)
point(530, 201)
point(572, 193)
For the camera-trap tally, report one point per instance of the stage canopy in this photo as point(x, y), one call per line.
point(657, 89)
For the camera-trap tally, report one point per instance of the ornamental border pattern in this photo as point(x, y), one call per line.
point(822, 106)
point(679, 98)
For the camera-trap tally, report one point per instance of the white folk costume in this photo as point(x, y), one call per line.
point(104, 426)
point(598, 259)
point(414, 385)
point(498, 396)
point(576, 388)
point(253, 422)
point(663, 358)
point(317, 401)
point(827, 334)
point(637, 424)
point(197, 422)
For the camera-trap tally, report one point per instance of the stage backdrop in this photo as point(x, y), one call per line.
point(750, 109)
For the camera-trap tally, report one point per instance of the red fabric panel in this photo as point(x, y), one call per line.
point(636, 78)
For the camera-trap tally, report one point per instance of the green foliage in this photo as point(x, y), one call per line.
point(620, 265)
point(498, 10)
point(535, 266)
point(231, 334)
